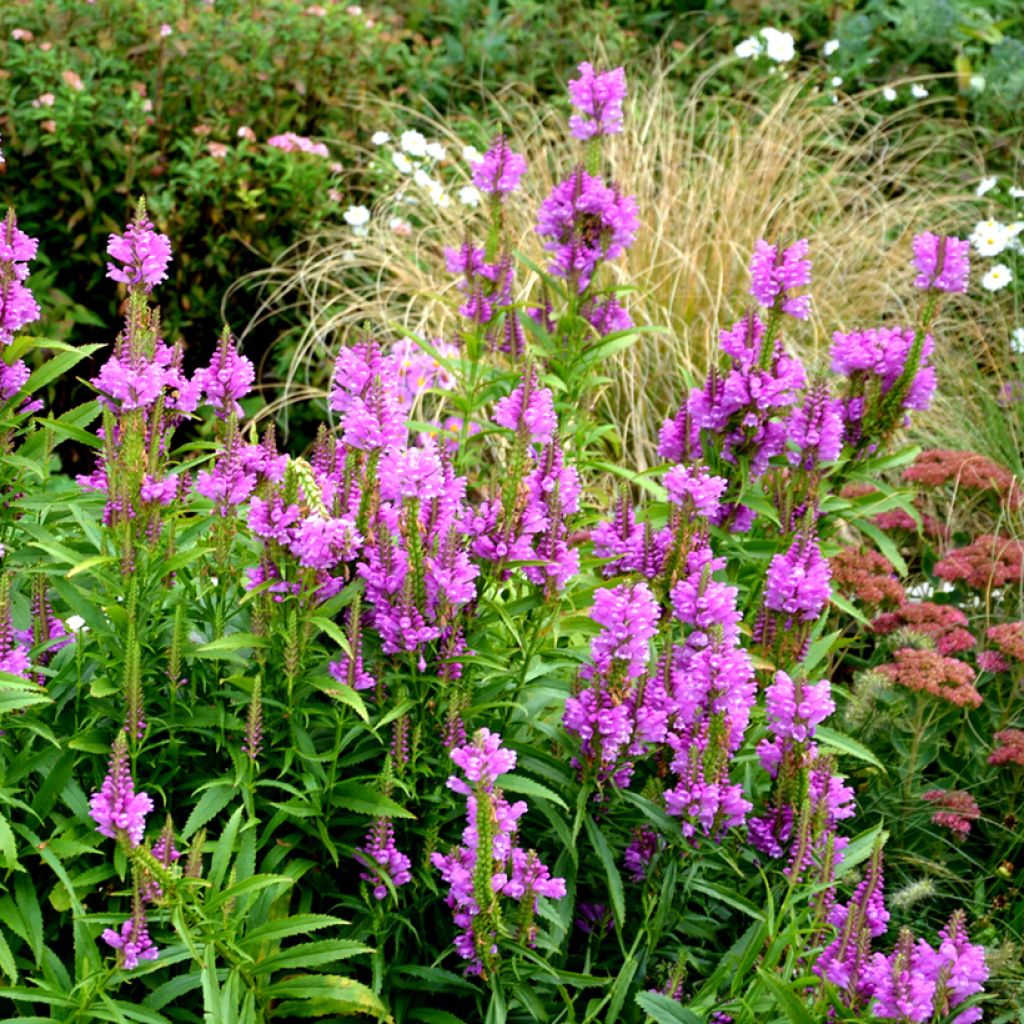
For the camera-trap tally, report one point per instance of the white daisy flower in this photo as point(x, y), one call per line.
point(1016, 343)
point(1017, 193)
point(414, 143)
point(830, 47)
point(779, 46)
point(977, 83)
point(997, 278)
point(422, 179)
point(379, 138)
point(837, 80)
point(471, 154)
point(439, 197)
point(75, 623)
point(985, 186)
point(749, 48)
point(402, 162)
point(918, 91)
point(990, 238)
point(357, 216)
point(436, 151)
point(469, 195)
point(889, 93)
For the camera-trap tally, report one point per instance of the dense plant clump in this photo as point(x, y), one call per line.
point(518, 744)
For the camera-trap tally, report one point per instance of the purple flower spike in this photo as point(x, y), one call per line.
point(132, 942)
point(17, 304)
point(117, 809)
point(942, 262)
point(228, 378)
point(798, 583)
point(500, 170)
point(585, 221)
point(772, 275)
point(382, 859)
point(598, 98)
point(483, 761)
point(531, 408)
point(144, 254)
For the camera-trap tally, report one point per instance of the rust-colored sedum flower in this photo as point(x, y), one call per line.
point(1010, 749)
point(933, 673)
point(989, 561)
point(867, 576)
point(967, 470)
point(1009, 639)
point(942, 623)
point(956, 810)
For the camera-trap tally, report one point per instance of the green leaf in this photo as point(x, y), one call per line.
point(226, 646)
point(434, 1016)
point(297, 924)
point(728, 897)
point(310, 954)
point(17, 693)
point(860, 849)
point(365, 800)
point(528, 787)
point(604, 853)
point(256, 883)
point(344, 694)
point(58, 366)
point(789, 1002)
point(846, 745)
point(665, 1010)
point(211, 803)
point(884, 543)
point(320, 995)
point(8, 844)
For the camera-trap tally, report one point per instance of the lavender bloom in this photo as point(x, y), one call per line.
point(815, 429)
point(484, 284)
point(694, 487)
point(607, 317)
point(411, 473)
point(598, 98)
point(529, 408)
point(942, 262)
point(13, 377)
point(134, 384)
point(505, 869)
point(132, 942)
point(640, 852)
point(228, 378)
point(320, 542)
point(382, 859)
point(500, 170)
point(966, 970)
point(365, 392)
point(481, 761)
point(629, 615)
point(882, 353)
point(585, 222)
point(17, 304)
point(773, 274)
point(798, 583)
point(143, 252)
point(117, 809)
point(793, 709)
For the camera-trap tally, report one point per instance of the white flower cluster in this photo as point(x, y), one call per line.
point(991, 238)
point(769, 42)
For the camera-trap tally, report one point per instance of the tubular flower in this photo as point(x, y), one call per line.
point(117, 809)
point(942, 262)
point(598, 100)
point(142, 252)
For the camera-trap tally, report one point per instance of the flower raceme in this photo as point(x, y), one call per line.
point(597, 98)
point(143, 253)
point(120, 812)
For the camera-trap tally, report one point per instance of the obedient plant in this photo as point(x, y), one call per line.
point(288, 652)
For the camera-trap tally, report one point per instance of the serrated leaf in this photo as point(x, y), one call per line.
point(310, 954)
point(789, 1002)
point(665, 1010)
point(225, 646)
point(528, 787)
point(604, 853)
point(846, 745)
point(354, 796)
point(320, 995)
point(211, 803)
